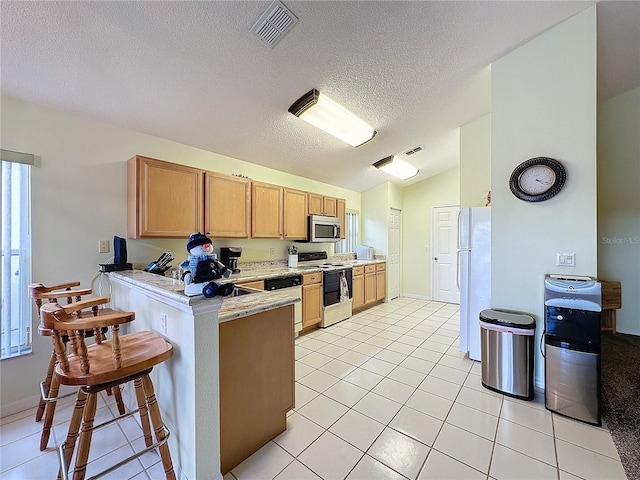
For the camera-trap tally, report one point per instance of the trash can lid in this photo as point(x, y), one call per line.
point(508, 318)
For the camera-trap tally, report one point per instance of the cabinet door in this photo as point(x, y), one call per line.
point(164, 199)
point(257, 284)
point(266, 211)
point(369, 287)
point(316, 204)
point(341, 213)
point(295, 214)
point(227, 205)
point(311, 304)
point(358, 291)
point(381, 284)
point(330, 207)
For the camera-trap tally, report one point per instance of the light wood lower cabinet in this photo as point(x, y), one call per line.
point(257, 382)
point(257, 284)
point(227, 205)
point(381, 281)
point(358, 287)
point(369, 284)
point(164, 200)
point(311, 299)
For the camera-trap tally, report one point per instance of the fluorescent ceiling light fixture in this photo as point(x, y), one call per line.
point(396, 167)
point(322, 112)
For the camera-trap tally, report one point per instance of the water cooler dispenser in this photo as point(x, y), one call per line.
point(572, 347)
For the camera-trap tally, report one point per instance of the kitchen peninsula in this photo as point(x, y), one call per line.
point(212, 340)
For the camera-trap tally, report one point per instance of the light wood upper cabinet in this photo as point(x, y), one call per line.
point(295, 214)
point(341, 213)
point(316, 204)
point(266, 210)
point(227, 205)
point(321, 205)
point(330, 207)
point(163, 199)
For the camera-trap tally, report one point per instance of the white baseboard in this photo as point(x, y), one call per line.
point(19, 406)
point(417, 297)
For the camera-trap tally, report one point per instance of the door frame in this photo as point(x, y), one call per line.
point(431, 254)
point(388, 297)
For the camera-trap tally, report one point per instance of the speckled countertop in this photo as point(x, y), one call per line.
point(231, 308)
point(251, 271)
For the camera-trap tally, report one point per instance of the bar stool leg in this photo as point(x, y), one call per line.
point(49, 410)
point(47, 386)
point(86, 432)
point(118, 396)
point(158, 426)
point(144, 411)
point(74, 427)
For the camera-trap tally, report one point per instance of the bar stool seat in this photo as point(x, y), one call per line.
point(97, 367)
point(48, 393)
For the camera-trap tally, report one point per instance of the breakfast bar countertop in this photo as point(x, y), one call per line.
point(171, 291)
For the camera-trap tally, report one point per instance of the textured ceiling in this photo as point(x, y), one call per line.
point(191, 72)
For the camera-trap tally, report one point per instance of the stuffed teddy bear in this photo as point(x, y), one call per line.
point(204, 274)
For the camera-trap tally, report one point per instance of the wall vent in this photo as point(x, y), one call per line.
point(274, 23)
point(413, 150)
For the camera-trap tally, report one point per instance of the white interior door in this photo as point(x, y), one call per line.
point(393, 280)
point(444, 266)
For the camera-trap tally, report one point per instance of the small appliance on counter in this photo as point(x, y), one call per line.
point(364, 252)
point(229, 257)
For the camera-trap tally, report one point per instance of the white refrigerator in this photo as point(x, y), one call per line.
point(474, 274)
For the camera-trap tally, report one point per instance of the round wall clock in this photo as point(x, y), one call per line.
point(537, 179)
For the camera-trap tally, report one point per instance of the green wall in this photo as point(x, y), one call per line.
point(619, 202)
point(442, 189)
point(535, 113)
point(475, 162)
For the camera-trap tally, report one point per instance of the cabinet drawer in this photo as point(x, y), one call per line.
point(380, 267)
point(257, 284)
point(311, 278)
point(358, 270)
point(369, 268)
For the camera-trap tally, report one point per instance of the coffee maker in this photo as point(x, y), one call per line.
point(229, 256)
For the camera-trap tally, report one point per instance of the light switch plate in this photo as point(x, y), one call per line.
point(566, 259)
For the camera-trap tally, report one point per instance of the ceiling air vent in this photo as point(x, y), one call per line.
point(274, 23)
point(413, 150)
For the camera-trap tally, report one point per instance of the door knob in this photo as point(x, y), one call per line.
point(435, 258)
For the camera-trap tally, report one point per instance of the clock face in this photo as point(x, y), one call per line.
point(537, 179)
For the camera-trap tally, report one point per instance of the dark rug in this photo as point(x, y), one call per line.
point(621, 397)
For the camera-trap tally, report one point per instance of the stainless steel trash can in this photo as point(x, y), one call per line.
point(507, 340)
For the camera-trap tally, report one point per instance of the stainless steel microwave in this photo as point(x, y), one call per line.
point(323, 229)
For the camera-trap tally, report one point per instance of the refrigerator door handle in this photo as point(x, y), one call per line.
point(459, 232)
point(458, 269)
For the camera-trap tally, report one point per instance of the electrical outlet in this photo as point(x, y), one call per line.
point(103, 246)
point(163, 323)
point(272, 252)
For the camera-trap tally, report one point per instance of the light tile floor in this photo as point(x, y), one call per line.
point(383, 395)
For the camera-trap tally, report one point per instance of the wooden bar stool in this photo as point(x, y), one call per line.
point(49, 395)
point(97, 367)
